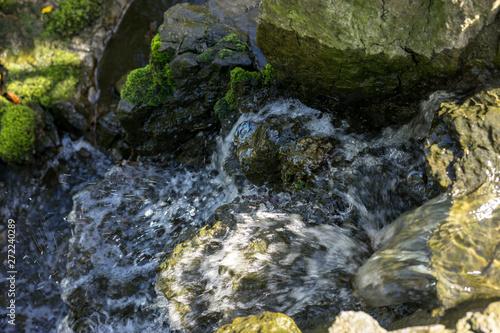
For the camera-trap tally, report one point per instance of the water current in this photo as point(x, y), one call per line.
point(89, 233)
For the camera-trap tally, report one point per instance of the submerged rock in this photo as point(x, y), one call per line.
point(370, 49)
point(250, 261)
point(441, 254)
point(463, 146)
point(265, 322)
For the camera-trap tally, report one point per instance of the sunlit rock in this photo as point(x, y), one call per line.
point(463, 146)
point(440, 254)
point(265, 322)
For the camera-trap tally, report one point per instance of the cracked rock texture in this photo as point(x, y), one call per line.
point(352, 49)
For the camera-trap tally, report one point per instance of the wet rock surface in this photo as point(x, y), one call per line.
point(440, 255)
point(251, 260)
point(284, 148)
point(463, 145)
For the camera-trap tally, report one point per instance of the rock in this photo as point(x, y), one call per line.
point(463, 145)
point(69, 118)
point(486, 322)
point(250, 259)
point(265, 322)
point(367, 49)
point(283, 149)
point(355, 322)
point(441, 254)
point(201, 52)
point(361, 322)
point(109, 130)
point(242, 15)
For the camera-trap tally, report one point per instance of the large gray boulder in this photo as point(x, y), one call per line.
point(374, 48)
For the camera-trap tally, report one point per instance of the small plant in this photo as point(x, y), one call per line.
point(17, 134)
point(72, 16)
point(233, 42)
point(268, 75)
point(224, 53)
point(238, 75)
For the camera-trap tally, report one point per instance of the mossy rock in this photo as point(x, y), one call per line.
point(265, 322)
point(167, 107)
point(281, 152)
point(152, 84)
point(369, 50)
point(19, 126)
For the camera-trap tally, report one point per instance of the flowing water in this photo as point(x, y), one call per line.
point(125, 224)
point(90, 233)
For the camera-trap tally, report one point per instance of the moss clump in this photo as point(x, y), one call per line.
point(237, 76)
point(224, 53)
point(152, 84)
point(206, 56)
point(17, 133)
point(72, 16)
point(44, 76)
point(268, 75)
point(158, 57)
point(232, 41)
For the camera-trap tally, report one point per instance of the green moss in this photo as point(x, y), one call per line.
point(160, 58)
point(44, 76)
point(17, 133)
point(148, 86)
point(152, 84)
point(237, 76)
point(224, 53)
point(72, 16)
point(268, 75)
point(206, 56)
point(233, 42)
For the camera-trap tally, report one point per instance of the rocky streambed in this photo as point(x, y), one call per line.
point(349, 184)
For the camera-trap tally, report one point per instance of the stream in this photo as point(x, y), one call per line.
point(89, 233)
